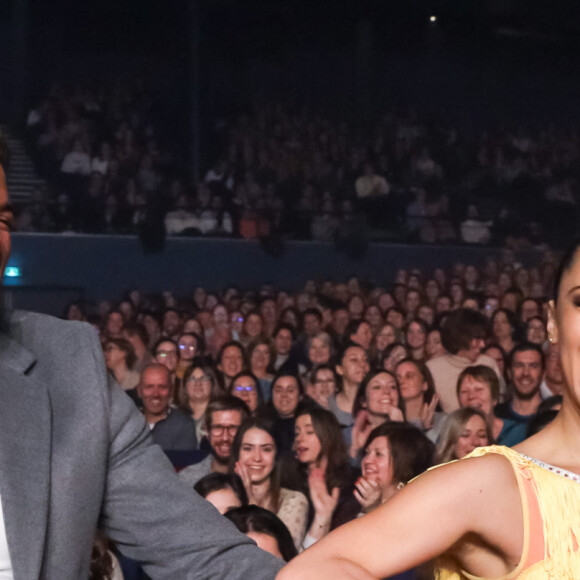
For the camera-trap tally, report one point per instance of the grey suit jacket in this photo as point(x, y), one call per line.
point(75, 453)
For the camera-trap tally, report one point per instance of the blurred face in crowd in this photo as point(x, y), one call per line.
point(416, 336)
point(476, 393)
point(526, 373)
point(198, 386)
point(236, 321)
point(324, 384)
point(260, 358)
point(340, 320)
point(363, 336)
point(187, 347)
point(285, 396)
point(306, 442)
point(385, 337)
point(268, 310)
point(167, 355)
point(411, 381)
point(312, 324)
point(396, 319)
point(246, 389)
point(283, 341)
point(509, 301)
point(501, 326)
point(114, 356)
point(193, 325)
point(155, 391)
point(354, 365)
point(473, 435)
point(412, 300)
point(115, 323)
point(356, 307)
point(253, 325)
point(171, 323)
point(426, 313)
point(222, 430)
point(385, 301)
point(373, 316)
point(443, 304)
point(536, 331)
point(220, 315)
point(491, 305)
point(432, 290)
point(258, 454)
point(319, 350)
point(232, 361)
point(529, 309)
point(433, 345)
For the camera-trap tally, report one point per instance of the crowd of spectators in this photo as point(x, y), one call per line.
point(316, 407)
point(290, 171)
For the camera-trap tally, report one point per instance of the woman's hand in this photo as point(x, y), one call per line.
point(396, 415)
point(360, 432)
point(428, 412)
point(242, 471)
point(368, 493)
point(324, 503)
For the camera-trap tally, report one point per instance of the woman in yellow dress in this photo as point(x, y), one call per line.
point(499, 513)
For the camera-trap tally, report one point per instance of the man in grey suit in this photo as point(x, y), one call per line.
point(75, 453)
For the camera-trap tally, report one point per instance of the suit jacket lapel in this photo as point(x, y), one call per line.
point(25, 445)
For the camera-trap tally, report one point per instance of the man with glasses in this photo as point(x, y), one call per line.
point(223, 419)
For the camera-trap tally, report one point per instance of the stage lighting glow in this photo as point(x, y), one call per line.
point(12, 272)
point(433, 19)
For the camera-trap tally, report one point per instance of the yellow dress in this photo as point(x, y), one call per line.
point(551, 509)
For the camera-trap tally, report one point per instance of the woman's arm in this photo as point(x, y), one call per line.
point(422, 522)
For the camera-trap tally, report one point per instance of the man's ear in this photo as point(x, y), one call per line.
point(552, 325)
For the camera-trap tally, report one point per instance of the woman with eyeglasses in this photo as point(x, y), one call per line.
point(245, 386)
point(322, 384)
point(189, 348)
point(198, 388)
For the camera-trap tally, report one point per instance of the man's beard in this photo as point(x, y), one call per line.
point(526, 396)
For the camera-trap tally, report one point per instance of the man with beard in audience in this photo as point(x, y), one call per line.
point(75, 453)
point(223, 418)
point(525, 370)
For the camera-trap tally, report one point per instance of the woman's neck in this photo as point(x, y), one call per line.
point(260, 372)
point(198, 408)
point(413, 408)
point(262, 495)
point(345, 399)
point(418, 353)
point(377, 420)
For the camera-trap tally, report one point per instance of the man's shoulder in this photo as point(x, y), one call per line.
point(24, 324)
point(177, 416)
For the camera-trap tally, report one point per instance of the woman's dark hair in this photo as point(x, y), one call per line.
point(125, 346)
point(361, 394)
point(483, 374)
point(565, 264)
point(411, 452)
point(332, 446)
point(252, 518)
point(353, 326)
point(425, 373)
point(218, 481)
point(499, 348)
point(263, 424)
point(460, 327)
point(101, 561)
